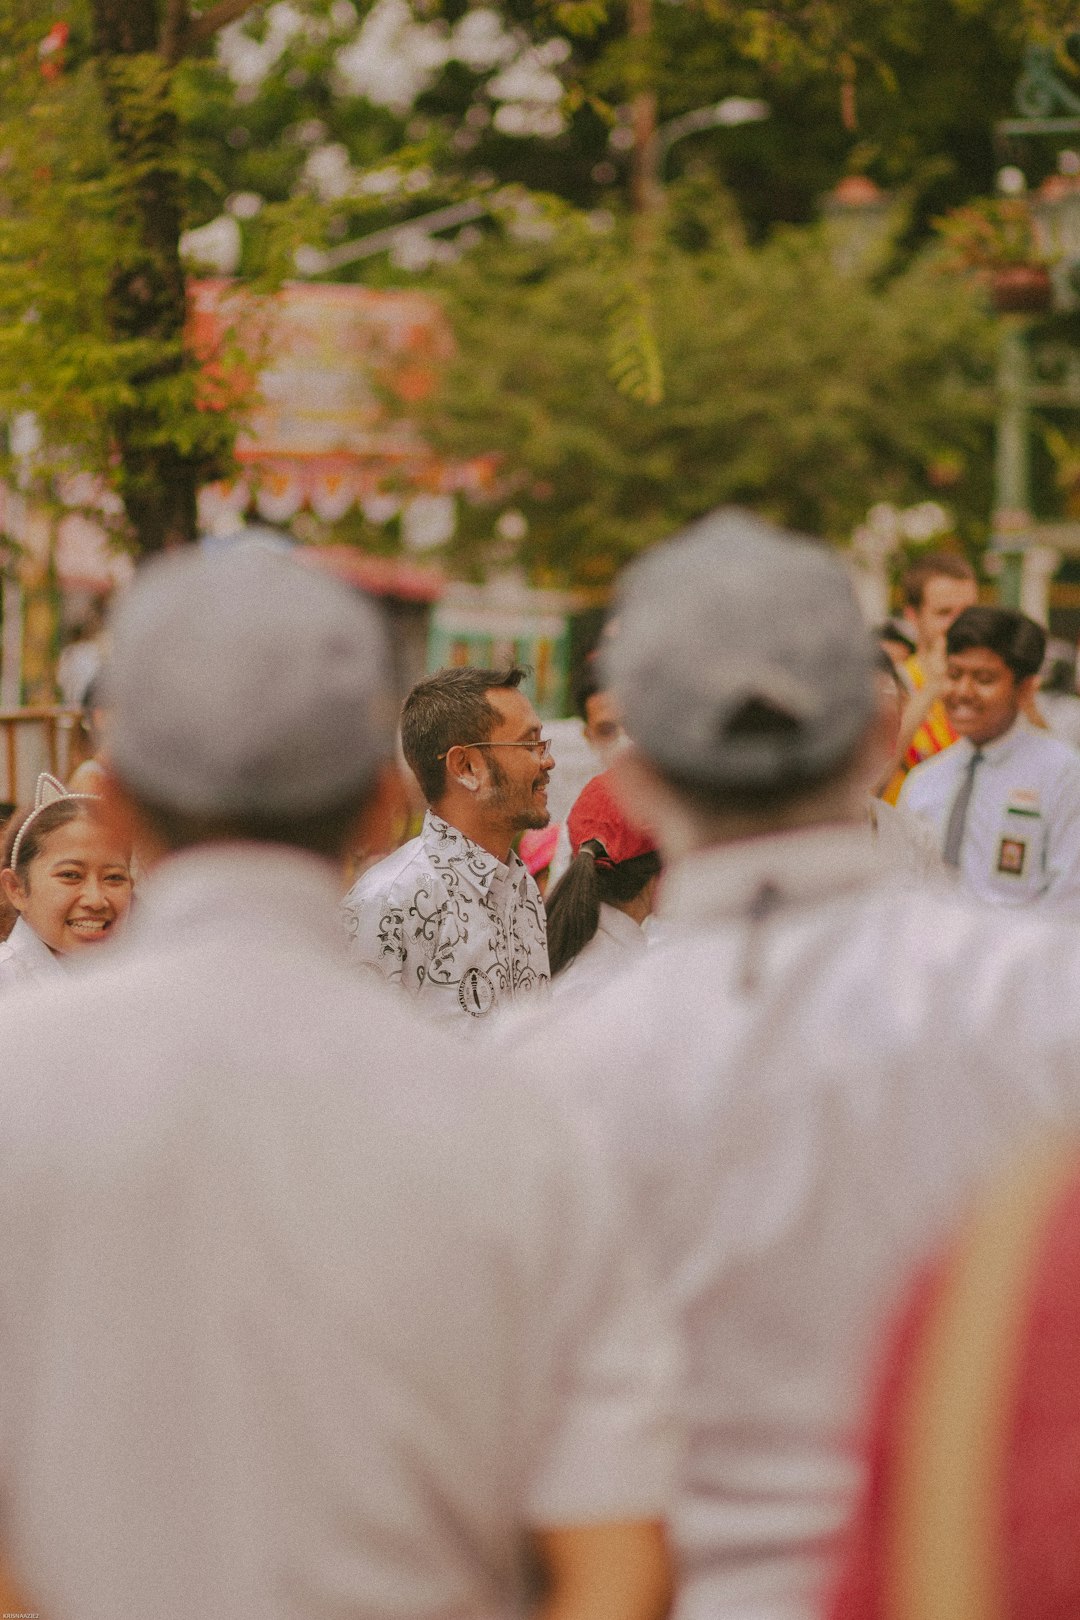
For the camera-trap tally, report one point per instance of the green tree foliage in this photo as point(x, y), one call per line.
point(792, 388)
point(92, 297)
point(135, 128)
point(919, 82)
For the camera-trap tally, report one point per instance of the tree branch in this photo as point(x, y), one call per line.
point(208, 23)
point(174, 30)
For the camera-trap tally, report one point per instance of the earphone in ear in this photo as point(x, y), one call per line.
point(469, 782)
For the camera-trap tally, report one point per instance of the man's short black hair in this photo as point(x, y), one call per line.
point(445, 710)
point(587, 682)
point(1019, 642)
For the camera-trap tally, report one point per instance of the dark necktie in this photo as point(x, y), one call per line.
point(954, 832)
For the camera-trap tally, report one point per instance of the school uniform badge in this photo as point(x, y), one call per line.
point(476, 993)
point(1012, 854)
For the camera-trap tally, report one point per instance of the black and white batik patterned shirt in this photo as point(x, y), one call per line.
point(451, 925)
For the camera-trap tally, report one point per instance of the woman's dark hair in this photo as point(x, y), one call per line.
point(1019, 642)
point(46, 821)
point(573, 906)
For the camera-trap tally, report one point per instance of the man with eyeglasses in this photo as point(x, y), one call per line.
point(453, 917)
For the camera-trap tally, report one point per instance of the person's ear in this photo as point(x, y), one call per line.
point(13, 889)
point(465, 770)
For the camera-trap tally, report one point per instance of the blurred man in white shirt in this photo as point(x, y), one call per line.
point(301, 1314)
point(806, 1079)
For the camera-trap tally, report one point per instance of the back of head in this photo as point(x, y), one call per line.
point(1019, 642)
point(587, 682)
point(246, 693)
point(742, 664)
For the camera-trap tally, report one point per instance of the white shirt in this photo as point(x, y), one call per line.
point(461, 931)
point(907, 846)
point(1061, 711)
point(802, 1103)
point(303, 1313)
point(616, 943)
point(26, 959)
point(1022, 834)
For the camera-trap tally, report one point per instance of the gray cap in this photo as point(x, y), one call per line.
point(736, 612)
point(246, 683)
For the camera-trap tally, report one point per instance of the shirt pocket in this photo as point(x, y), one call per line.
point(1018, 855)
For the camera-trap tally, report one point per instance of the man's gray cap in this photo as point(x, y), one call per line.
point(246, 683)
point(731, 618)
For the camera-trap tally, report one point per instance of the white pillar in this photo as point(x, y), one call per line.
point(11, 640)
point(1038, 566)
point(871, 582)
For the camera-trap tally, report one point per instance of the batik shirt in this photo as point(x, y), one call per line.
point(463, 932)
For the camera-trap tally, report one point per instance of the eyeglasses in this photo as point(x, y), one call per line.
point(540, 747)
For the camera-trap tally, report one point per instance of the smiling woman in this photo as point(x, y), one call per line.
point(68, 877)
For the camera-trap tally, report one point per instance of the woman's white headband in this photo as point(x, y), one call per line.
point(48, 791)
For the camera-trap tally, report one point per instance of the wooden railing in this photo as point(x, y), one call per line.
point(32, 741)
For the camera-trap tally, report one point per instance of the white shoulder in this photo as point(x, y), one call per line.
point(1061, 757)
point(381, 882)
point(924, 780)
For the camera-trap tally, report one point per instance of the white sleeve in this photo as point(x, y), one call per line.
point(911, 798)
point(612, 1447)
point(1063, 848)
point(374, 928)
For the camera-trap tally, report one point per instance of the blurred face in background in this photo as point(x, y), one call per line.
point(982, 696)
point(603, 728)
point(943, 600)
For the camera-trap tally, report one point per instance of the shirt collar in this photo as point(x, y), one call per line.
point(32, 947)
point(797, 867)
point(1001, 747)
point(450, 850)
point(618, 926)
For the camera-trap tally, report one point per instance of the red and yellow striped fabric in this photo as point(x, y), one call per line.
point(932, 736)
point(974, 1494)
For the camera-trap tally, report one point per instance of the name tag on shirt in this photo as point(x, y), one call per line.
point(1012, 856)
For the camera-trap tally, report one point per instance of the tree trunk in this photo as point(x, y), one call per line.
point(157, 478)
point(645, 194)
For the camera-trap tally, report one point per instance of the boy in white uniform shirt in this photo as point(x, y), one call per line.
point(300, 1316)
point(805, 1080)
point(1003, 801)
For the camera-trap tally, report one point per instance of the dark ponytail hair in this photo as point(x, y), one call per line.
point(573, 906)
